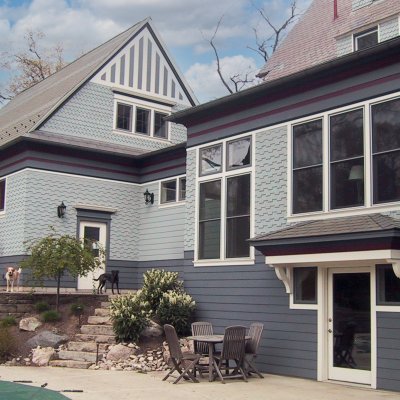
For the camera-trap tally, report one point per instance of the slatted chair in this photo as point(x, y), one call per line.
point(201, 329)
point(251, 349)
point(184, 364)
point(233, 348)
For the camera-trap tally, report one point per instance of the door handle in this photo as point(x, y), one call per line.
point(330, 330)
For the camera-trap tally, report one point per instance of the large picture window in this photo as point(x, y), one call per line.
point(2, 195)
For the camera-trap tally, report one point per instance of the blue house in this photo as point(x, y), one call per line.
point(280, 203)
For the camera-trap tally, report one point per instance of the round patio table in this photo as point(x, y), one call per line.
point(17, 391)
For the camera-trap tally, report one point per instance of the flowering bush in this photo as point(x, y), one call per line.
point(156, 282)
point(130, 315)
point(177, 309)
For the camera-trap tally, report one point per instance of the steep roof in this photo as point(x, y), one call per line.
point(312, 40)
point(31, 107)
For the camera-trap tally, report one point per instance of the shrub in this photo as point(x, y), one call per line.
point(7, 343)
point(130, 315)
point(51, 316)
point(42, 306)
point(8, 321)
point(177, 309)
point(156, 282)
point(77, 308)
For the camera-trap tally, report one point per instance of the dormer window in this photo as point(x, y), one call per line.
point(366, 39)
point(124, 117)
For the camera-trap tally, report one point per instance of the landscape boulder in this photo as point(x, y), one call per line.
point(42, 356)
point(119, 352)
point(46, 339)
point(29, 324)
point(154, 330)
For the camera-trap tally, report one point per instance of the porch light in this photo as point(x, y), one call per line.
point(61, 210)
point(148, 197)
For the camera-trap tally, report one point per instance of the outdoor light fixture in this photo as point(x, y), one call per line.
point(148, 197)
point(61, 210)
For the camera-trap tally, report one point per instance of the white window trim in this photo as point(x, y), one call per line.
point(223, 175)
point(3, 212)
point(302, 306)
point(369, 207)
point(364, 32)
point(139, 103)
point(177, 202)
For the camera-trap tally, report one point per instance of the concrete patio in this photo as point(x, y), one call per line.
point(119, 385)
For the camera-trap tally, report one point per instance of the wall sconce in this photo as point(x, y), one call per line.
point(61, 210)
point(148, 197)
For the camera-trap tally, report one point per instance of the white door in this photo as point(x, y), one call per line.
point(96, 232)
point(350, 336)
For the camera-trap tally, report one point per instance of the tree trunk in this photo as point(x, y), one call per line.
point(58, 290)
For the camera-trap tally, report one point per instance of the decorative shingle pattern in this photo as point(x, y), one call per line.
point(344, 45)
point(312, 40)
point(389, 29)
point(190, 200)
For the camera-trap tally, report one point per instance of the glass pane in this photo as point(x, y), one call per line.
point(124, 113)
point(209, 239)
point(238, 196)
point(346, 135)
point(142, 120)
point(366, 40)
point(239, 153)
point(386, 126)
point(305, 285)
point(2, 194)
point(388, 285)
point(386, 170)
point(237, 232)
point(307, 144)
point(210, 200)
point(352, 321)
point(91, 236)
point(182, 188)
point(347, 183)
point(160, 125)
point(168, 191)
point(307, 190)
point(211, 160)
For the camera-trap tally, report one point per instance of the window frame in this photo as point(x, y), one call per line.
point(364, 33)
point(178, 200)
point(380, 286)
point(369, 205)
point(119, 103)
point(223, 176)
point(3, 198)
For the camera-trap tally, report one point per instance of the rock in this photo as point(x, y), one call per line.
point(154, 330)
point(46, 339)
point(29, 324)
point(42, 356)
point(119, 352)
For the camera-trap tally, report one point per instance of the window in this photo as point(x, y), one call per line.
point(388, 285)
point(173, 190)
point(142, 121)
point(160, 125)
point(224, 201)
point(124, 117)
point(386, 151)
point(307, 167)
point(2, 195)
point(305, 285)
point(366, 39)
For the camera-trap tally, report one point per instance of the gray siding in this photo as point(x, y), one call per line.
point(190, 200)
point(344, 45)
point(388, 327)
point(89, 114)
point(389, 29)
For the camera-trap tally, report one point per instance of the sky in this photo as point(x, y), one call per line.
point(184, 25)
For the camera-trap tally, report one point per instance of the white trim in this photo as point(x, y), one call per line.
point(301, 306)
point(95, 208)
point(217, 262)
point(176, 202)
point(392, 309)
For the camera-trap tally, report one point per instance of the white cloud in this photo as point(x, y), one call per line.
point(204, 79)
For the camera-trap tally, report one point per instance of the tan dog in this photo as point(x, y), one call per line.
point(12, 276)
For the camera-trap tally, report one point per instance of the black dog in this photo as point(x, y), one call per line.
point(103, 278)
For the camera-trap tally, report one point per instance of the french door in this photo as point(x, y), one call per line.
point(350, 334)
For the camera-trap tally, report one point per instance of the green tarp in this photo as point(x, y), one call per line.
point(17, 391)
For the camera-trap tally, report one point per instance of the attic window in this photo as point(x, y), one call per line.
point(124, 115)
point(366, 39)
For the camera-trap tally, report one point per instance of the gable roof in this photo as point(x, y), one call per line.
point(33, 106)
point(312, 40)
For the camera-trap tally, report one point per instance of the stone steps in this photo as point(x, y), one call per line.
point(101, 312)
point(70, 364)
point(90, 346)
point(105, 304)
point(99, 320)
point(97, 329)
point(83, 337)
point(78, 356)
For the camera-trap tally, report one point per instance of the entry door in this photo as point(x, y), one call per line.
point(96, 233)
point(349, 325)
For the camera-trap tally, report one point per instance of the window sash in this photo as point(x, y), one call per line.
point(124, 117)
point(2, 194)
point(142, 121)
point(160, 125)
point(387, 286)
point(168, 191)
point(305, 285)
point(182, 189)
point(366, 39)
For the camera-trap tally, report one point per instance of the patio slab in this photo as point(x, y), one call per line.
point(124, 385)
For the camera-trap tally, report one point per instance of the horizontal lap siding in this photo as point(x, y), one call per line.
point(388, 328)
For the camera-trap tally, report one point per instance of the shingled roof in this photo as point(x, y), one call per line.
point(312, 40)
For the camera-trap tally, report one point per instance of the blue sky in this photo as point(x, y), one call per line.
point(80, 25)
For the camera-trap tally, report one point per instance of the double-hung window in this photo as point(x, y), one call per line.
point(347, 159)
point(224, 201)
point(2, 195)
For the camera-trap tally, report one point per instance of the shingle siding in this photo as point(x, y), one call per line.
point(190, 200)
point(344, 45)
point(389, 29)
point(356, 4)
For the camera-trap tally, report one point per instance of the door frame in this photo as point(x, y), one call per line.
point(323, 315)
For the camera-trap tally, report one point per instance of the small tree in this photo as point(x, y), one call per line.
point(54, 255)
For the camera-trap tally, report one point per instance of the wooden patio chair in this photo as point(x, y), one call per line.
point(184, 364)
point(233, 348)
point(203, 329)
point(251, 349)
